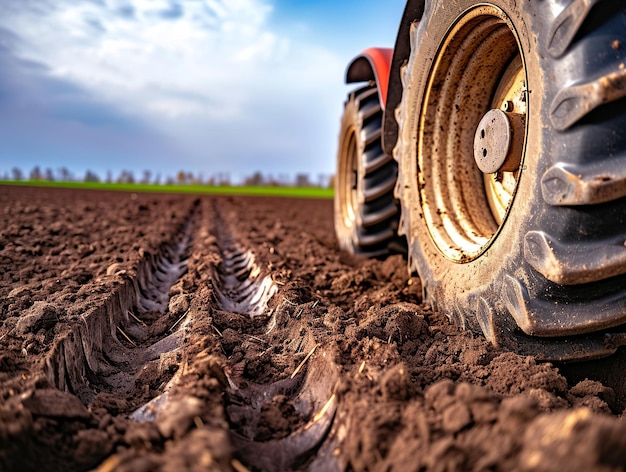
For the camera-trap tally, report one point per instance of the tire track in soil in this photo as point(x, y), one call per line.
point(239, 284)
point(125, 342)
point(124, 351)
point(257, 411)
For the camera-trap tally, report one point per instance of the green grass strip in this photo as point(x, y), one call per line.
point(301, 192)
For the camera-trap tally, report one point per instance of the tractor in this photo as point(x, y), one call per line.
point(489, 145)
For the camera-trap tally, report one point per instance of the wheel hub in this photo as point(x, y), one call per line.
point(499, 141)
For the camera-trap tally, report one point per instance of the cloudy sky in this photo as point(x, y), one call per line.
point(207, 86)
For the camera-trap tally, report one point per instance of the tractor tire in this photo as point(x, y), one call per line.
point(531, 252)
point(366, 212)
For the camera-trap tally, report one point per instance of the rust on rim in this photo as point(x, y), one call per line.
point(479, 68)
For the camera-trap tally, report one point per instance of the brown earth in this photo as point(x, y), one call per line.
point(154, 332)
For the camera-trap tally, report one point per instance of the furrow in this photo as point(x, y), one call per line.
point(270, 330)
point(240, 284)
point(115, 342)
point(259, 407)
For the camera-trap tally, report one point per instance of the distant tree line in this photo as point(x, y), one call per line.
point(257, 179)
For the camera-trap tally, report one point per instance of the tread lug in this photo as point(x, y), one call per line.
point(379, 216)
point(370, 137)
point(572, 103)
point(567, 24)
point(376, 163)
point(365, 93)
point(379, 190)
point(485, 316)
point(572, 264)
point(546, 318)
point(370, 110)
point(584, 185)
point(377, 238)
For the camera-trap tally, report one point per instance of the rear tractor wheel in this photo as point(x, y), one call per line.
point(366, 212)
point(512, 170)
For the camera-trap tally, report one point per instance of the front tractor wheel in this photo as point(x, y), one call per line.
point(366, 212)
point(512, 171)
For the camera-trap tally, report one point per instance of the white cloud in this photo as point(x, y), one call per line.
point(187, 67)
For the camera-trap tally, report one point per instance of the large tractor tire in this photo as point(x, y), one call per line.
point(366, 212)
point(530, 250)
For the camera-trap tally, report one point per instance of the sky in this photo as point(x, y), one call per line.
point(205, 86)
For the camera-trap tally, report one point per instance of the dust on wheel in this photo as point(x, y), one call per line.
point(496, 150)
point(366, 213)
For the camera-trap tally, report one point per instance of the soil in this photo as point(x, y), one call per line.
point(144, 332)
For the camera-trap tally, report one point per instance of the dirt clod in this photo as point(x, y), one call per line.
point(41, 315)
point(178, 417)
point(54, 404)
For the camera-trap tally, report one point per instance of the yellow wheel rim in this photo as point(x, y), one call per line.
point(479, 66)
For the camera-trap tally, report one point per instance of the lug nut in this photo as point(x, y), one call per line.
point(507, 106)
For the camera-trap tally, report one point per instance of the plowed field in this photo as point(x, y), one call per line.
point(147, 332)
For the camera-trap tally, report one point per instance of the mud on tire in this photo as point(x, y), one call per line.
point(366, 212)
point(534, 258)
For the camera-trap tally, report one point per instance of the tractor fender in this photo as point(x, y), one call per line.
point(413, 12)
point(373, 64)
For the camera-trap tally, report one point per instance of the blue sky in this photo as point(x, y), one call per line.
point(207, 86)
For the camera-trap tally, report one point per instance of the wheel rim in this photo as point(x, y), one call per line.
point(479, 66)
point(348, 178)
